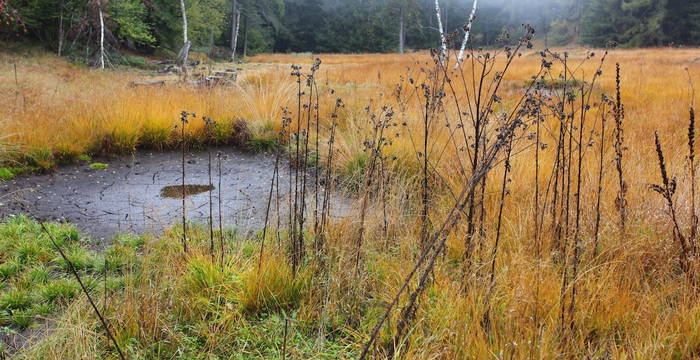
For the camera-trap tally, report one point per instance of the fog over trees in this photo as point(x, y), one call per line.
point(156, 26)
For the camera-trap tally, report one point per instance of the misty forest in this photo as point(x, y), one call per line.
point(349, 179)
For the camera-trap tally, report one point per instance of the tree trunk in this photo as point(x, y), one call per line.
point(182, 57)
point(235, 21)
point(467, 32)
point(60, 30)
point(184, 22)
point(184, 53)
point(245, 37)
point(443, 41)
point(402, 31)
point(102, 36)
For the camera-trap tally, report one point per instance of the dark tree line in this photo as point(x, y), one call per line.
point(148, 26)
point(637, 23)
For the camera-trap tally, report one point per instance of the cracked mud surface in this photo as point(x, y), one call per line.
point(126, 197)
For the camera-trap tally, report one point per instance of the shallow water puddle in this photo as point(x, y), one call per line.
point(137, 193)
point(176, 192)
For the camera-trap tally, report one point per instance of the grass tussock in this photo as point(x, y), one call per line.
point(36, 281)
point(188, 306)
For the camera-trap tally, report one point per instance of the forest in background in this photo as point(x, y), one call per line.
point(339, 26)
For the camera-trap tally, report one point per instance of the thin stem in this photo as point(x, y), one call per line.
point(73, 271)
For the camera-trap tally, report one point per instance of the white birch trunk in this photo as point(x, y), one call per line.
point(102, 36)
point(234, 32)
point(184, 21)
point(467, 32)
point(184, 53)
point(443, 40)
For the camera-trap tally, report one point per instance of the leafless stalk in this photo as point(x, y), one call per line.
point(284, 344)
point(310, 84)
point(426, 190)
point(621, 201)
point(426, 261)
point(325, 208)
point(577, 225)
point(183, 122)
point(537, 238)
point(693, 179)
point(599, 190)
point(380, 122)
point(317, 163)
point(221, 222)
point(208, 127)
point(278, 154)
point(667, 190)
point(73, 271)
point(296, 72)
point(494, 251)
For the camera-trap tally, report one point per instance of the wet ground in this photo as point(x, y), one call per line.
point(143, 192)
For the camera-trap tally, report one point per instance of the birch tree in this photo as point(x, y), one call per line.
point(467, 32)
point(185, 40)
point(443, 40)
point(102, 35)
point(182, 57)
point(235, 22)
point(406, 12)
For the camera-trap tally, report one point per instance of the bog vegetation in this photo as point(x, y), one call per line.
point(509, 203)
point(520, 204)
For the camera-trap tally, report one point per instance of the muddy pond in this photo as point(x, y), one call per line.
point(143, 192)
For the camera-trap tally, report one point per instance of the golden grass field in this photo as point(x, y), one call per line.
point(633, 302)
